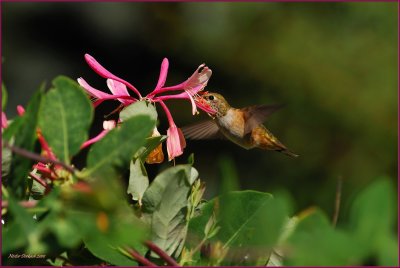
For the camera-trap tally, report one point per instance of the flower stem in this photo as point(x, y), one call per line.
point(167, 112)
point(39, 180)
point(139, 257)
point(163, 255)
point(25, 204)
point(38, 158)
point(165, 89)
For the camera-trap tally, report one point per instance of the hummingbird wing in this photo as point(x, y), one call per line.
point(257, 114)
point(204, 130)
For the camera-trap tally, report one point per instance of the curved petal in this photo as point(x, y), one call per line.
point(117, 88)
point(175, 142)
point(103, 72)
point(194, 107)
point(91, 90)
point(195, 83)
point(163, 73)
point(199, 79)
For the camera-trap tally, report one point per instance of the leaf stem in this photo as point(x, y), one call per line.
point(139, 257)
point(39, 158)
point(163, 255)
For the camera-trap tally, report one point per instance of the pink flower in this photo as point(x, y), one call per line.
point(107, 126)
point(191, 88)
point(175, 140)
point(20, 110)
point(4, 121)
point(103, 72)
point(118, 89)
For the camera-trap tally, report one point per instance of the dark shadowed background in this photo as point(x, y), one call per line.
point(334, 65)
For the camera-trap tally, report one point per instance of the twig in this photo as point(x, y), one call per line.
point(39, 180)
point(139, 257)
point(337, 201)
point(38, 158)
point(163, 255)
point(25, 204)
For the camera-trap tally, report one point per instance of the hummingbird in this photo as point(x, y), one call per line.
point(242, 126)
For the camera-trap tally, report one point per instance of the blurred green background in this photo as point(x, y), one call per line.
point(334, 65)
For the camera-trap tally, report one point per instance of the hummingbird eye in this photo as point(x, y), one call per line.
point(211, 97)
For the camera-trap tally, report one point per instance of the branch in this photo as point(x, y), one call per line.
point(139, 257)
point(25, 204)
point(337, 201)
point(163, 255)
point(39, 180)
point(39, 158)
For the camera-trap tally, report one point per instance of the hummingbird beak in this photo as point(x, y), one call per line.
point(203, 104)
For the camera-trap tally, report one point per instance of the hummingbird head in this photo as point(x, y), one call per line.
point(217, 102)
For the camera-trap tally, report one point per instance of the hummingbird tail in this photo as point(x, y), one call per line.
point(287, 152)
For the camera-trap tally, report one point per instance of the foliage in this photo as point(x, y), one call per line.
point(101, 215)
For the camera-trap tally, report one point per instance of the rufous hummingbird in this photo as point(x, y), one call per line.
point(242, 126)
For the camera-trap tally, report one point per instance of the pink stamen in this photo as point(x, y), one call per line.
point(45, 146)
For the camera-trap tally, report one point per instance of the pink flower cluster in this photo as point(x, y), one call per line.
point(119, 89)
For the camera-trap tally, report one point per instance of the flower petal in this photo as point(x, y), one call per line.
point(103, 72)
point(194, 107)
point(196, 82)
point(91, 90)
point(117, 88)
point(175, 142)
point(199, 79)
point(109, 124)
point(20, 110)
point(4, 121)
point(163, 74)
point(95, 139)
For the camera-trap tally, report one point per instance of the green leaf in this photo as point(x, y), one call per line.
point(21, 231)
point(151, 144)
point(103, 250)
point(23, 129)
point(138, 108)
point(123, 230)
point(138, 180)
point(4, 96)
point(230, 180)
point(250, 224)
point(372, 220)
point(116, 149)
point(165, 207)
point(373, 212)
point(314, 242)
point(65, 117)
point(6, 157)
